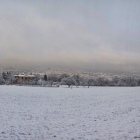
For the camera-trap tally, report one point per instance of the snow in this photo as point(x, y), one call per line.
point(23, 75)
point(95, 113)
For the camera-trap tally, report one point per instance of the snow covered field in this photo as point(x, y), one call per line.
point(95, 113)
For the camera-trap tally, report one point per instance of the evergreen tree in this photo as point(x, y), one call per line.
point(45, 77)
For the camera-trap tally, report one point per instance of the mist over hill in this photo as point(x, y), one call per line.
point(101, 36)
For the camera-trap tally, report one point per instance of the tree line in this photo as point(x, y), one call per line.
point(69, 80)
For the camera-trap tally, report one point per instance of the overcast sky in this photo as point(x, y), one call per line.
point(92, 34)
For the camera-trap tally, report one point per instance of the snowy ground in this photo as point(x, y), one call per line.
point(96, 113)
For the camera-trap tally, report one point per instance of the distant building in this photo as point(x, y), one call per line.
point(23, 77)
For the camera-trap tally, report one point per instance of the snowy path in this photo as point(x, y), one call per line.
point(97, 113)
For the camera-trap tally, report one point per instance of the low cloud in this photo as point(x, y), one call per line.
point(30, 39)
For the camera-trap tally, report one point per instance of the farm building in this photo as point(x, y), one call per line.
point(23, 77)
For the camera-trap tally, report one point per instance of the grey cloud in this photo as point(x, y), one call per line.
point(35, 33)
